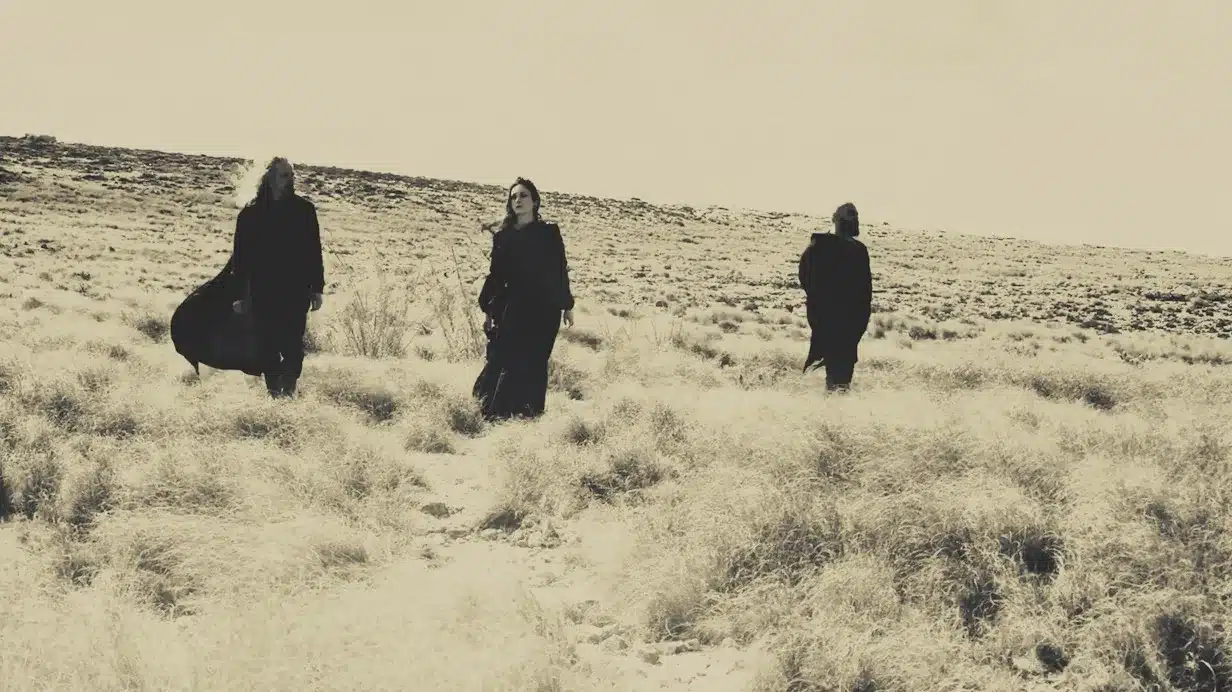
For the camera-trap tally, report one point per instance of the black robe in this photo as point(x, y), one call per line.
point(275, 266)
point(838, 284)
point(206, 330)
point(523, 295)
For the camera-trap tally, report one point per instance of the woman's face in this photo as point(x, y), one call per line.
point(521, 201)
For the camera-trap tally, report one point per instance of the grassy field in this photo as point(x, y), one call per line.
point(1027, 489)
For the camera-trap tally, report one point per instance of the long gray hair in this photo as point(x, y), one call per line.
point(251, 180)
point(264, 187)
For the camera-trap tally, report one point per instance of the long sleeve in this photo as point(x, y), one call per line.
point(316, 261)
point(865, 285)
point(241, 258)
point(566, 292)
point(803, 271)
point(494, 281)
point(238, 262)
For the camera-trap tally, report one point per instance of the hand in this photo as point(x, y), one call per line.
point(568, 318)
point(317, 301)
point(238, 306)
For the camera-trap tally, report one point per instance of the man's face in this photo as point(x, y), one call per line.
point(281, 178)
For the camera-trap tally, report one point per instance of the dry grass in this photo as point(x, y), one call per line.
point(997, 505)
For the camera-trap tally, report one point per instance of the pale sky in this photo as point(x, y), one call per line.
point(1100, 121)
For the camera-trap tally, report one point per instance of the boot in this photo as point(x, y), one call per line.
point(273, 385)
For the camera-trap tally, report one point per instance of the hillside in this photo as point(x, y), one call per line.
point(739, 259)
point(1026, 489)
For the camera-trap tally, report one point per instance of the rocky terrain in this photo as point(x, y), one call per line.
point(621, 251)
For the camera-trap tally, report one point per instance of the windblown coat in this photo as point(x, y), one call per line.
point(275, 266)
point(206, 330)
point(837, 280)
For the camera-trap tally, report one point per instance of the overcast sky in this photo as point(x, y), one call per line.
point(1101, 121)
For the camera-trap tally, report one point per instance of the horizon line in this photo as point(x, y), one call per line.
point(564, 193)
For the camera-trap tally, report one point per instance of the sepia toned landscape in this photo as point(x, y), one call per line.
point(1028, 487)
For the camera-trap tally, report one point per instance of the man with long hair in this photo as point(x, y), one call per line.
point(838, 285)
point(277, 259)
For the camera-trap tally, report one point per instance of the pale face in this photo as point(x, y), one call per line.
point(281, 178)
point(521, 201)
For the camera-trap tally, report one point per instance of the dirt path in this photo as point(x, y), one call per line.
point(458, 571)
point(563, 573)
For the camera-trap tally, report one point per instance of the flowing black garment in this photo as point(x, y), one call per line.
point(275, 266)
point(837, 280)
point(206, 330)
point(523, 295)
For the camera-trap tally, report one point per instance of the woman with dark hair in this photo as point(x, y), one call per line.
point(277, 262)
point(523, 299)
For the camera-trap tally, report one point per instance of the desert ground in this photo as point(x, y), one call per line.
point(1026, 489)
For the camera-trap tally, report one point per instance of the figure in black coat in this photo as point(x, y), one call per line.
point(277, 258)
point(837, 280)
point(523, 298)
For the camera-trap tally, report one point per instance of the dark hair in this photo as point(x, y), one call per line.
point(263, 188)
point(510, 218)
point(847, 220)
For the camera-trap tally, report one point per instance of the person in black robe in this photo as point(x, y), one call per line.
point(524, 297)
point(277, 259)
point(837, 280)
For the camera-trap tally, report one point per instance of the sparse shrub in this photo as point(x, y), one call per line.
point(364, 471)
point(1193, 652)
point(158, 573)
point(583, 337)
point(316, 340)
point(578, 431)
point(89, 492)
point(260, 424)
point(767, 368)
point(698, 346)
point(980, 600)
point(153, 327)
point(377, 403)
point(1089, 391)
point(785, 547)
point(375, 324)
point(625, 470)
point(464, 416)
point(564, 376)
point(177, 484)
point(340, 554)
point(430, 436)
point(37, 479)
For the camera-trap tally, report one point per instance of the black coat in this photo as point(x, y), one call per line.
point(206, 330)
point(529, 269)
point(837, 280)
point(277, 250)
point(275, 265)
